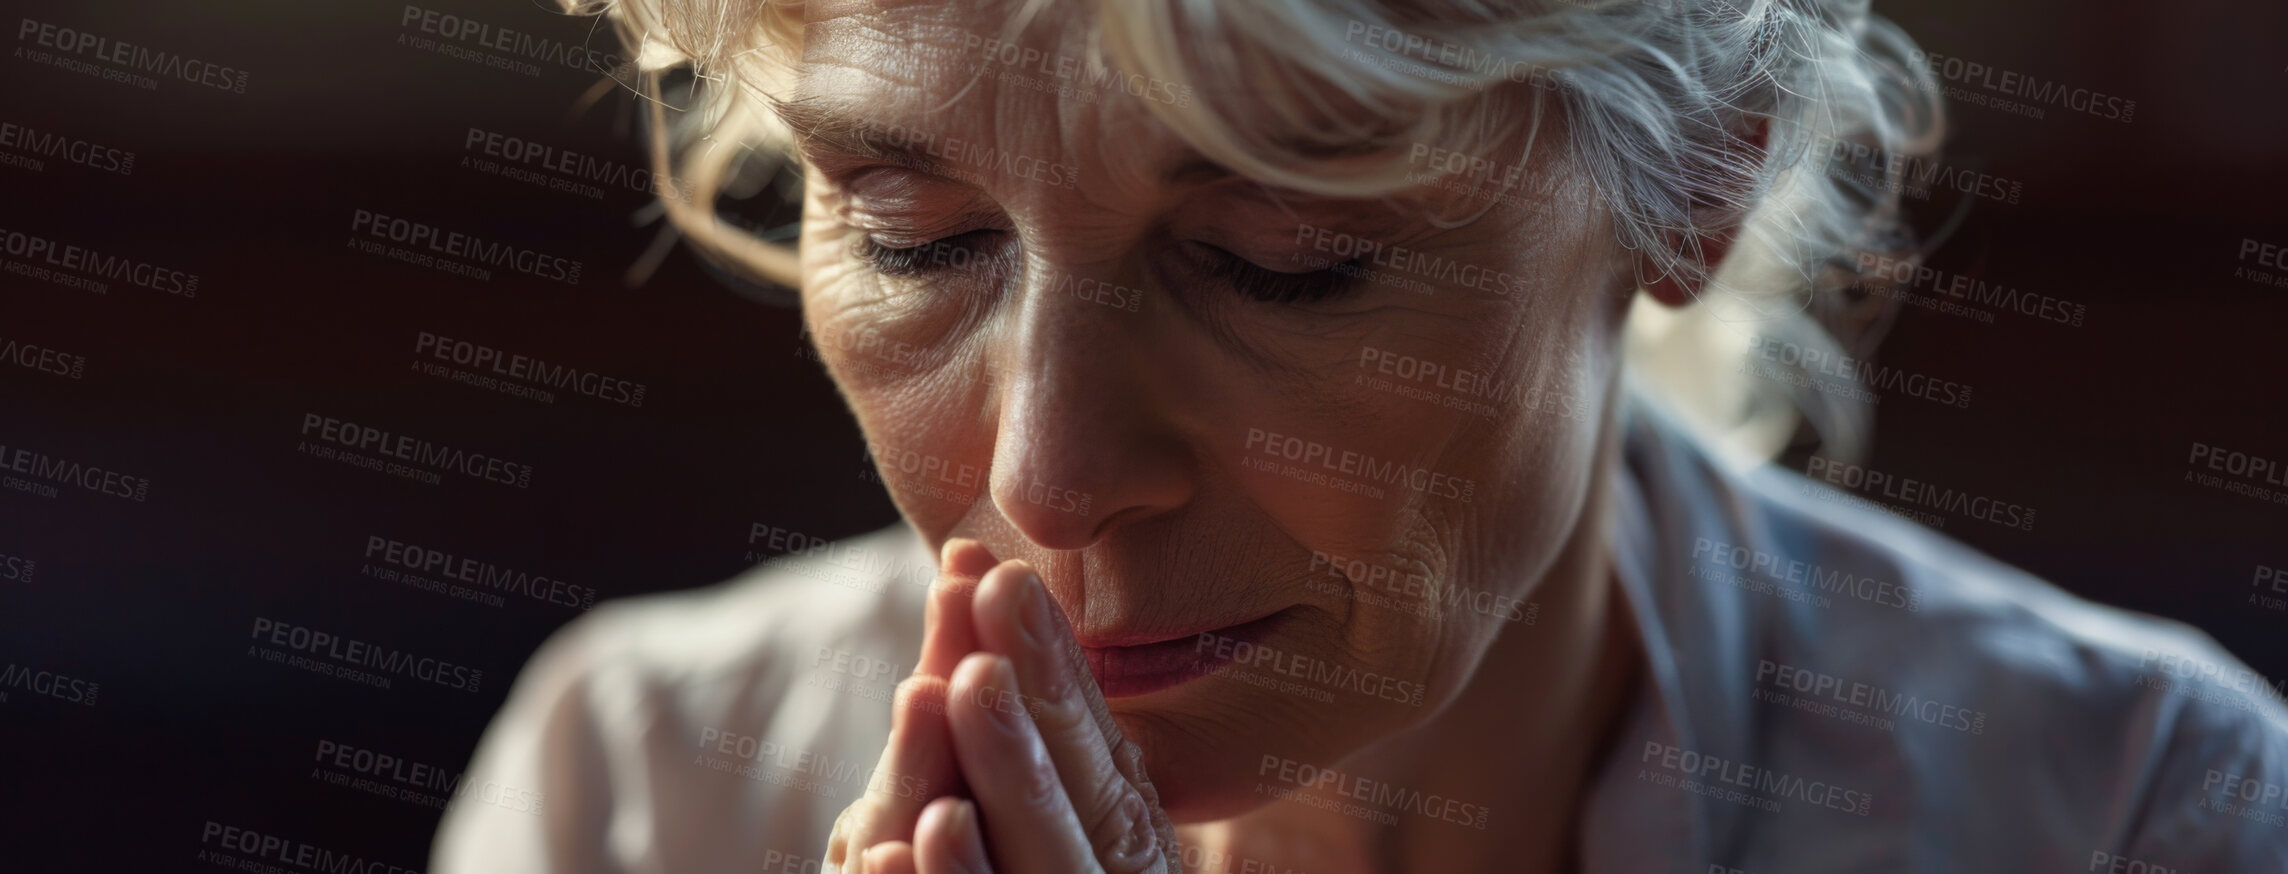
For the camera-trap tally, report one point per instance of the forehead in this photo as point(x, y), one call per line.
point(1037, 119)
point(956, 86)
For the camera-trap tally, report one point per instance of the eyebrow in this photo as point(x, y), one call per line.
point(821, 125)
point(1195, 170)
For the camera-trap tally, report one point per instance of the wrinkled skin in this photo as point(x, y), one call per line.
point(1082, 376)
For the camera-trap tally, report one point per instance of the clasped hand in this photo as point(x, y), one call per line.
point(1020, 766)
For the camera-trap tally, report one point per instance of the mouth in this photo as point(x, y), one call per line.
point(1143, 668)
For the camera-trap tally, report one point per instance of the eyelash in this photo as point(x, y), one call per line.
point(1249, 279)
point(950, 253)
point(1258, 283)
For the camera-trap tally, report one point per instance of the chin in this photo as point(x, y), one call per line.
point(1204, 766)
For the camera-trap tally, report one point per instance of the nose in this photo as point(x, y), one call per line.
point(1087, 439)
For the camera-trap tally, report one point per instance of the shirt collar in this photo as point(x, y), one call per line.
point(1697, 644)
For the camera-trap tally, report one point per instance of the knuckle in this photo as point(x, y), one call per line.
point(1040, 788)
point(838, 842)
point(857, 825)
point(1128, 757)
point(921, 692)
point(1124, 835)
point(1060, 713)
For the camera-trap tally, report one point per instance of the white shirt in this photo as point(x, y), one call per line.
point(1831, 689)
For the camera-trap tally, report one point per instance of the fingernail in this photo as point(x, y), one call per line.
point(969, 855)
point(959, 818)
point(877, 857)
point(1040, 625)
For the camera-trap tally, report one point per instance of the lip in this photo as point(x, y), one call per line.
point(1129, 670)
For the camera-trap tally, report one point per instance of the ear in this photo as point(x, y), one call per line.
point(1714, 229)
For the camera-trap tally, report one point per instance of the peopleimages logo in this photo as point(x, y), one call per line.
point(377, 764)
point(2254, 799)
point(408, 448)
point(33, 144)
point(1388, 796)
point(454, 244)
point(2237, 687)
point(516, 48)
point(1362, 252)
point(2109, 863)
point(1917, 493)
point(2263, 792)
point(958, 158)
point(1419, 588)
point(1865, 697)
point(1442, 60)
point(70, 690)
point(1796, 572)
point(819, 557)
point(2270, 578)
point(792, 767)
point(35, 357)
point(1312, 453)
point(1758, 787)
point(1992, 296)
point(1319, 672)
point(2249, 476)
point(1086, 79)
point(2255, 468)
point(129, 56)
point(1911, 175)
point(389, 776)
point(2270, 265)
point(1849, 371)
point(261, 848)
point(483, 574)
point(42, 466)
point(17, 568)
point(1997, 81)
point(358, 654)
point(488, 362)
point(575, 172)
point(37, 251)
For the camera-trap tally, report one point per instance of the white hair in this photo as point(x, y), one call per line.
point(1693, 120)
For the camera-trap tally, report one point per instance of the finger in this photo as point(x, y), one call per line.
point(947, 840)
point(917, 765)
point(838, 841)
point(1127, 757)
point(1028, 822)
point(946, 634)
point(890, 857)
point(920, 746)
point(1116, 806)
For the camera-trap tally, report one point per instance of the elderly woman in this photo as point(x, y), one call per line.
point(1250, 377)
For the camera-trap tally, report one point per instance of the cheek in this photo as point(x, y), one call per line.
point(1356, 451)
point(1419, 436)
point(913, 400)
point(1547, 451)
point(1513, 420)
point(923, 450)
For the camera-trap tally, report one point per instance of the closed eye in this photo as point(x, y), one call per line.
point(963, 253)
point(1258, 283)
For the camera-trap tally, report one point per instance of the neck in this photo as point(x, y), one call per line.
point(1522, 742)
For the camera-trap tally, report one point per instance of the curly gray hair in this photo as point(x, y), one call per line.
point(1691, 120)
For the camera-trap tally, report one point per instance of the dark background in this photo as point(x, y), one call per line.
point(2141, 223)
